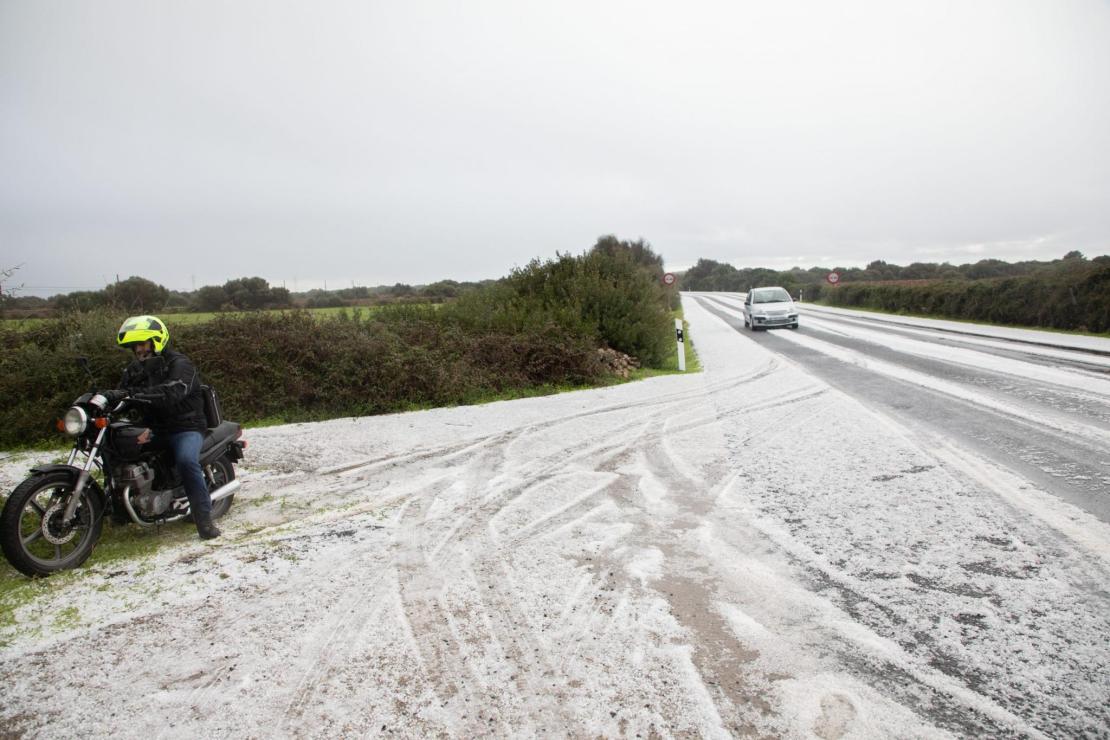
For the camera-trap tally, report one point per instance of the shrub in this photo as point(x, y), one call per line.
point(612, 293)
point(540, 326)
point(293, 365)
point(1071, 294)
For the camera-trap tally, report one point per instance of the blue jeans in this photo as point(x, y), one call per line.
point(186, 457)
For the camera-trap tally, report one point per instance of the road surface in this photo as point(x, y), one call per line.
point(844, 531)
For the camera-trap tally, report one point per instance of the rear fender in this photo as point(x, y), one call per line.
point(230, 450)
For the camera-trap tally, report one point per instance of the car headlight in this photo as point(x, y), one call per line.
point(76, 420)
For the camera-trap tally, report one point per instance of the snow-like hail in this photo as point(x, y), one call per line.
point(739, 551)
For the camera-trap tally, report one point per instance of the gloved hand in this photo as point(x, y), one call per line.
point(115, 396)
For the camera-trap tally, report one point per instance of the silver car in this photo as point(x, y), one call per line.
point(766, 307)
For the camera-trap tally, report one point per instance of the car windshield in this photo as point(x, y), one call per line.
point(775, 295)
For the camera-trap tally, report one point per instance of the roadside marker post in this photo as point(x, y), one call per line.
point(678, 333)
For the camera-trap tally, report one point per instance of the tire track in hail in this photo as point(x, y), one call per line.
point(484, 632)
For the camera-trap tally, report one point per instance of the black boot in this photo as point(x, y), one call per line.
point(205, 528)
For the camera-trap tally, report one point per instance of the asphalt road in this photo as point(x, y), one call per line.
point(1058, 458)
point(809, 538)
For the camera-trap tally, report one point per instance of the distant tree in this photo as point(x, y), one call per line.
point(80, 300)
point(323, 299)
point(440, 290)
point(1074, 255)
point(713, 275)
point(986, 269)
point(920, 271)
point(209, 298)
point(948, 271)
point(136, 295)
point(248, 292)
point(279, 298)
point(177, 302)
point(355, 291)
point(880, 270)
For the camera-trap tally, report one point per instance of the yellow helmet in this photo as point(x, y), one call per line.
point(140, 329)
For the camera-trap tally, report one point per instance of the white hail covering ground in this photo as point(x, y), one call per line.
point(740, 551)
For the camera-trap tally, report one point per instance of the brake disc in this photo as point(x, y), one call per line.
point(54, 531)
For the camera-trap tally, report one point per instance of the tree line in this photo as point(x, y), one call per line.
point(711, 275)
point(138, 294)
point(1070, 293)
point(553, 323)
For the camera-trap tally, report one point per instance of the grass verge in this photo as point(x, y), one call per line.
point(693, 365)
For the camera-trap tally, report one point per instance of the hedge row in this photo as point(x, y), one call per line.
point(293, 365)
point(1074, 299)
point(542, 325)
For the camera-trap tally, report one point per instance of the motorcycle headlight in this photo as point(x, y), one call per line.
point(76, 420)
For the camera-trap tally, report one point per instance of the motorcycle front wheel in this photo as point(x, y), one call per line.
point(33, 536)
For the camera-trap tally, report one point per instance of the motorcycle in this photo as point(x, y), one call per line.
point(53, 519)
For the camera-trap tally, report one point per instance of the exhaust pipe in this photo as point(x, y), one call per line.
point(225, 490)
point(222, 492)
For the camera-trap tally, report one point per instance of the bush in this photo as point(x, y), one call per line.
point(293, 365)
point(1072, 294)
point(540, 326)
point(612, 294)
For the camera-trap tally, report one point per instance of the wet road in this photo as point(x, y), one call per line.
point(747, 551)
point(1043, 414)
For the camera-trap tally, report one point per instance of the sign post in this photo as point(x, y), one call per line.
point(681, 345)
point(833, 278)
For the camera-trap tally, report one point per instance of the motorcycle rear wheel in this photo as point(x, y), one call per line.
point(219, 473)
point(32, 536)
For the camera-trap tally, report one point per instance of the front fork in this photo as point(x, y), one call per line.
point(82, 477)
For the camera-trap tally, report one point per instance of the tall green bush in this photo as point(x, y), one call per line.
point(612, 293)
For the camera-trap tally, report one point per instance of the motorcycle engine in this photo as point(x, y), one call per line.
point(147, 502)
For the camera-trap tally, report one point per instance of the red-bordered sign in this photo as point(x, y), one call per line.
point(668, 278)
point(833, 278)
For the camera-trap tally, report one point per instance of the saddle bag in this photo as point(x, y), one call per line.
point(212, 414)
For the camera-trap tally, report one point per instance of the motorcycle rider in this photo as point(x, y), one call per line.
point(170, 384)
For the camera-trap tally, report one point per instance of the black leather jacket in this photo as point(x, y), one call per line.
point(172, 386)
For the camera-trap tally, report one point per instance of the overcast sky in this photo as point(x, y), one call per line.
point(377, 142)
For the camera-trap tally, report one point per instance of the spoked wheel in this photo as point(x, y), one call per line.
point(32, 534)
point(217, 474)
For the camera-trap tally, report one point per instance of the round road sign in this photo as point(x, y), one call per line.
point(668, 278)
point(833, 278)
